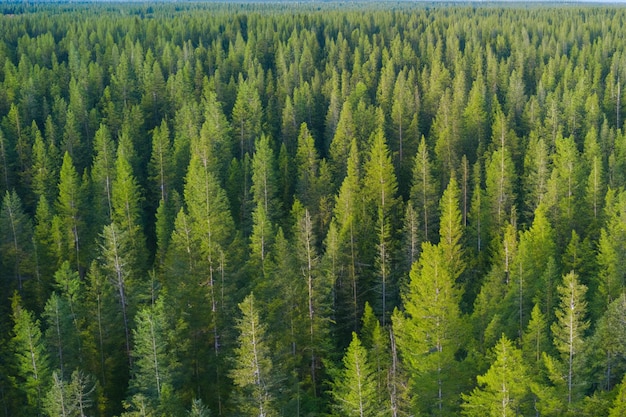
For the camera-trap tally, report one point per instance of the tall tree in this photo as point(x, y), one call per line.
point(451, 229)
point(425, 193)
point(31, 358)
point(569, 338)
point(247, 114)
point(103, 175)
point(70, 209)
point(154, 365)
point(16, 248)
point(252, 370)
point(429, 332)
point(380, 191)
point(161, 166)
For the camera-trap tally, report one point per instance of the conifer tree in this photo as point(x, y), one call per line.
point(103, 175)
point(247, 114)
point(354, 389)
point(569, 338)
point(16, 247)
point(252, 370)
point(161, 167)
point(349, 215)
point(69, 399)
point(380, 189)
point(619, 404)
point(31, 358)
point(502, 389)
point(154, 364)
point(451, 229)
point(425, 193)
point(429, 333)
point(127, 213)
point(70, 208)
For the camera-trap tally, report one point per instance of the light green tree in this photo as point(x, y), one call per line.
point(502, 389)
point(429, 331)
point(31, 358)
point(252, 370)
point(354, 388)
point(567, 372)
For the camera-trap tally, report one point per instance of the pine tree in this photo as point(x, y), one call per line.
point(502, 389)
point(103, 175)
point(619, 405)
point(607, 346)
point(429, 333)
point(252, 370)
point(70, 399)
point(569, 337)
point(127, 213)
point(70, 208)
point(354, 389)
point(425, 193)
point(247, 114)
point(380, 189)
point(451, 229)
point(16, 248)
point(116, 249)
point(349, 215)
point(31, 358)
point(154, 358)
point(161, 166)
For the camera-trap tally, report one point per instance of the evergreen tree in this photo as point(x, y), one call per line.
point(103, 175)
point(154, 359)
point(354, 388)
point(32, 371)
point(503, 388)
point(70, 208)
point(127, 213)
point(429, 332)
point(16, 249)
point(161, 167)
point(252, 370)
point(569, 338)
point(380, 189)
point(619, 405)
point(69, 399)
point(451, 230)
point(425, 193)
point(247, 114)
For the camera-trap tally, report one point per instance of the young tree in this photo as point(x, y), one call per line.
point(16, 248)
point(425, 193)
point(161, 166)
point(503, 388)
point(252, 370)
point(70, 206)
point(354, 388)
point(103, 175)
point(154, 357)
point(247, 114)
point(429, 333)
point(569, 338)
point(70, 399)
point(31, 358)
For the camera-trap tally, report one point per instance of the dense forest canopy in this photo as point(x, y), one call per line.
point(322, 209)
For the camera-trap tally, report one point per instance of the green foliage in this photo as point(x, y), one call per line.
point(503, 388)
point(314, 155)
point(354, 388)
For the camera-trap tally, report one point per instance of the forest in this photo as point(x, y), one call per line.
point(322, 209)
